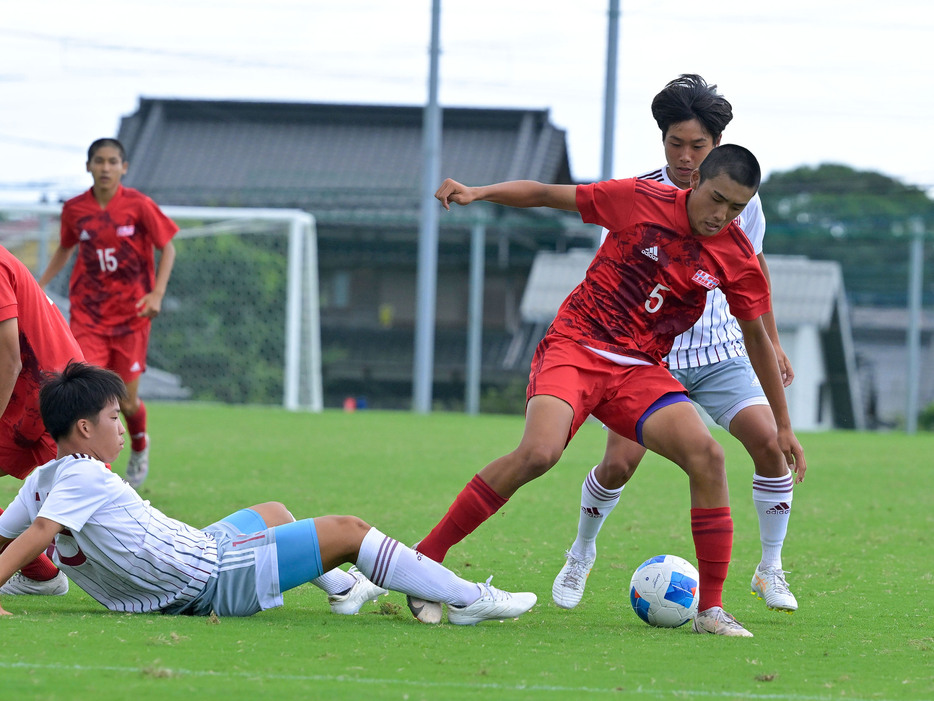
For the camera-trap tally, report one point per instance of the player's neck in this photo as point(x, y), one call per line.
point(104, 195)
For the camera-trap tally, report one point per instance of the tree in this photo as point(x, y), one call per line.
point(858, 218)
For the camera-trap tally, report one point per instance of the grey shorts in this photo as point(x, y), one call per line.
point(247, 579)
point(723, 389)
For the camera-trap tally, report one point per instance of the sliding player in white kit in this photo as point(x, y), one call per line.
point(132, 558)
point(710, 361)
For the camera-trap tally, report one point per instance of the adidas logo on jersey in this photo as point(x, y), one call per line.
point(135, 367)
point(85, 236)
point(651, 252)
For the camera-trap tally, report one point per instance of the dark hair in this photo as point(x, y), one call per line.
point(689, 97)
point(80, 391)
point(100, 143)
point(735, 161)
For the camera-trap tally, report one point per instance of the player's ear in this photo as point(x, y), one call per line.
point(695, 178)
point(83, 428)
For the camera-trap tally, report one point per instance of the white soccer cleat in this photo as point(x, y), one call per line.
point(19, 585)
point(493, 605)
point(137, 467)
point(717, 621)
point(770, 584)
point(425, 611)
point(351, 601)
point(569, 585)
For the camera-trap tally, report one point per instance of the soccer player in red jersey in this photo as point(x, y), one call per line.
point(34, 338)
point(709, 359)
point(116, 289)
point(603, 354)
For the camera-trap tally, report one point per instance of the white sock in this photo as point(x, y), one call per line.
point(596, 504)
point(335, 581)
point(391, 565)
point(772, 499)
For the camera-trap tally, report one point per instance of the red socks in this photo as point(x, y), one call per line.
point(42, 569)
point(713, 543)
point(474, 505)
point(136, 427)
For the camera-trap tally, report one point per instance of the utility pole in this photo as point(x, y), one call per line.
point(423, 367)
point(609, 91)
point(915, 278)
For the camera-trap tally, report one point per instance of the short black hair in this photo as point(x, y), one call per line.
point(80, 391)
point(100, 143)
point(735, 161)
point(690, 97)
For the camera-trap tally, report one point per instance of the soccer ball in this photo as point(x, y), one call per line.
point(663, 591)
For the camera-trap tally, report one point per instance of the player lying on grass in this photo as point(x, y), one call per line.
point(133, 558)
point(603, 354)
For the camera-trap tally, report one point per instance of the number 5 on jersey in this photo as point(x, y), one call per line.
point(656, 299)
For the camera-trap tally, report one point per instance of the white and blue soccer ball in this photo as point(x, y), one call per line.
point(664, 591)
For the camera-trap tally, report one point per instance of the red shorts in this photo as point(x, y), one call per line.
point(125, 355)
point(18, 459)
point(617, 395)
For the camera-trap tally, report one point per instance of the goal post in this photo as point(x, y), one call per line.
point(241, 315)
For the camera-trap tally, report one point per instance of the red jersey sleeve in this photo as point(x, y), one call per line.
point(160, 228)
point(7, 297)
point(70, 231)
point(744, 284)
point(609, 203)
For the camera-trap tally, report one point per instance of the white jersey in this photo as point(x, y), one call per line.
point(717, 335)
point(115, 546)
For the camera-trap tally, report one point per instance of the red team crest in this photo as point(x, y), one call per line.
point(705, 279)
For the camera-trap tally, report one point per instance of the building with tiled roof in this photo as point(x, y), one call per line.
point(357, 170)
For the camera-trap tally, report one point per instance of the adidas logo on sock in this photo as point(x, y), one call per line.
point(780, 508)
point(591, 511)
point(651, 252)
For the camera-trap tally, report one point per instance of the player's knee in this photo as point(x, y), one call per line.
point(706, 459)
point(768, 458)
point(615, 470)
point(353, 524)
point(130, 406)
point(536, 460)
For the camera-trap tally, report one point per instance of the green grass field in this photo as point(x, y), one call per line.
point(859, 553)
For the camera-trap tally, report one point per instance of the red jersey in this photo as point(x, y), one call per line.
point(649, 280)
point(45, 345)
point(115, 265)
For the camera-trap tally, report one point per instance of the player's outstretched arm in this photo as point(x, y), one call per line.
point(514, 193)
point(762, 357)
point(25, 548)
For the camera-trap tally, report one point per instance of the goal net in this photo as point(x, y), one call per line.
point(240, 320)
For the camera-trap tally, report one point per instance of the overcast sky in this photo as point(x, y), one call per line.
point(810, 81)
